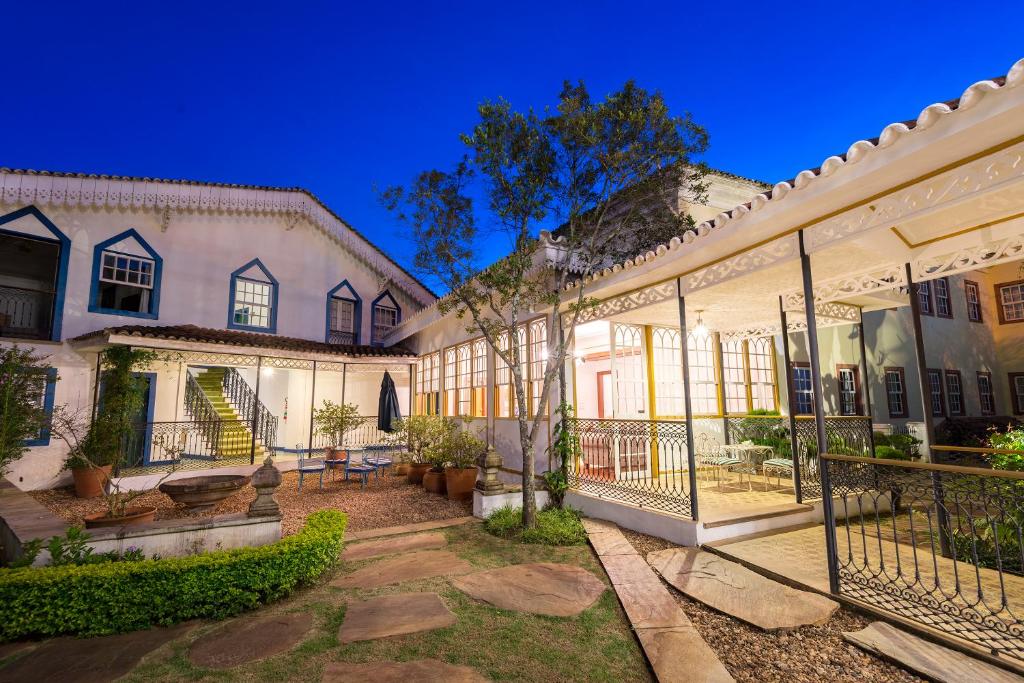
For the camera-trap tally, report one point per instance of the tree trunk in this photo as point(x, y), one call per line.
point(529, 487)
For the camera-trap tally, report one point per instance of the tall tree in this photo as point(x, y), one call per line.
point(614, 175)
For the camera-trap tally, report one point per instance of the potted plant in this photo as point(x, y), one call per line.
point(335, 420)
point(418, 432)
point(436, 459)
point(461, 452)
point(22, 381)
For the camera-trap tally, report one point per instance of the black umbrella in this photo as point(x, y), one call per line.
point(387, 405)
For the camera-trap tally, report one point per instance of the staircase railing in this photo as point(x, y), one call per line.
point(249, 408)
point(208, 421)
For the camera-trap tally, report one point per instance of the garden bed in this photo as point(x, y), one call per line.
point(387, 501)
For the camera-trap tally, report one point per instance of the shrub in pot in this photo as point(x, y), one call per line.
point(462, 450)
point(418, 432)
point(335, 420)
point(433, 478)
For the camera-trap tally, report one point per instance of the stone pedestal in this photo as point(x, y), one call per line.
point(489, 464)
point(265, 480)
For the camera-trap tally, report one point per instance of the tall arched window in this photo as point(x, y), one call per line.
point(762, 373)
point(668, 372)
point(734, 377)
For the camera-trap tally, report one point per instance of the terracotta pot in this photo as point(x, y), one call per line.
point(401, 468)
point(433, 482)
point(460, 482)
point(132, 515)
point(89, 481)
point(416, 472)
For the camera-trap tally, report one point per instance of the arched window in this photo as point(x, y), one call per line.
point(668, 372)
point(701, 361)
point(734, 377)
point(126, 274)
point(344, 314)
point(385, 316)
point(762, 373)
point(253, 299)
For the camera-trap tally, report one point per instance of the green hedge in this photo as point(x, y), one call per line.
point(114, 597)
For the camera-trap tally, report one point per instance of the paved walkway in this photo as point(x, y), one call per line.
point(406, 528)
point(672, 645)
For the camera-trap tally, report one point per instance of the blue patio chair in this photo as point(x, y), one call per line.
point(378, 455)
point(309, 466)
point(360, 469)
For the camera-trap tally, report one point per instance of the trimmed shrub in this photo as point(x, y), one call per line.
point(890, 453)
point(555, 526)
point(99, 599)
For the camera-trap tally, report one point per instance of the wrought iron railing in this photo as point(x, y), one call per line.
point(366, 434)
point(338, 337)
point(641, 462)
point(845, 435)
point(262, 422)
point(940, 545)
point(194, 444)
point(25, 313)
point(204, 416)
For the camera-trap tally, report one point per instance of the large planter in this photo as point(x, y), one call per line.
point(433, 482)
point(460, 482)
point(132, 515)
point(416, 472)
point(90, 481)
point(400, 469)
point(203, 493)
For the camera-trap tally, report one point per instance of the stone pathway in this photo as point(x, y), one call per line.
point(739, 592)
point(932, 661)
point(392, 546)
point(557, 590)
point(406, 567)
point(88, 660)
point(671, 643)
point(419, 671)
point(407, 528)
point(394, 615)
point(248, 640)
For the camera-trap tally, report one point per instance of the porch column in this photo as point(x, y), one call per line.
point(96, 385)
point(720, 384)
point(652, 397)
point(256, 413)
point(922, 363)
point(312, 407)
point(687, 405)
point(868, 410)
point(794, 441)
point(412, 389)
point(819, 415)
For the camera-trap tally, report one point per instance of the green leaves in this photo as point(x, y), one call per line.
point(22, 382)
point(336, 420)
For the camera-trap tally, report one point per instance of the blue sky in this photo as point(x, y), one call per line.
point(342, 98)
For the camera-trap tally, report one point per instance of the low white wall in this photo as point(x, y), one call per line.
point(173, 538)
point(670, 527)
point(484, 505)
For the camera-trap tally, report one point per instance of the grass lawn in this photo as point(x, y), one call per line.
point(503, 646)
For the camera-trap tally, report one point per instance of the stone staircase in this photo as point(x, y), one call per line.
point(235, 439)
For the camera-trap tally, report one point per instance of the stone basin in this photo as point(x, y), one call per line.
point(203, 493)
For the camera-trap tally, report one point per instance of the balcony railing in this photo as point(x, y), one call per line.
point(25, 313)
point(338, 337)
point(641, 462)
point(939, 545)
point(187, 445)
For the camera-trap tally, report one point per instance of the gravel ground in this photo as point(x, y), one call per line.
point(388, 501)
point(811, 654)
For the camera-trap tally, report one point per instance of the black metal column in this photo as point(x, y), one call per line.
point(256, 412)
point(819, 416)
point(868, 410)
point(794, 441)
point(687, 405)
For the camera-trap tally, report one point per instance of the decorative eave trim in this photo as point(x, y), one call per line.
point(65, 190)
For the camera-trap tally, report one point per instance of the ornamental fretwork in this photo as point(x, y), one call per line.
point(742, 264)
point(630, 301)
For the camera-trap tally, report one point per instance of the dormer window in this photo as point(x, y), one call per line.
point(386, 316)
point(126, 277)
point(253, 301)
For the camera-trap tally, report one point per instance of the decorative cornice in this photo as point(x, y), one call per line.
point(630, 301)
point(166, 196)
point(755, 259)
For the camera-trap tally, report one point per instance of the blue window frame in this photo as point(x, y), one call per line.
point(252, 301)
point(803, 391)
point(385, 315)
point(52, 299)
point(43, 439)
point(344, 315)
point(125, 284)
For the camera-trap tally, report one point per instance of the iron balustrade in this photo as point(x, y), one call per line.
point(845, 435)
point(338, 337)
point(641, 462)
point(25, 313)
point(366, 434)
point(262, 422)
point(189, 445)
point(940, 545)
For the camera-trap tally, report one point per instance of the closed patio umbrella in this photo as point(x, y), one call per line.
point(387, 405)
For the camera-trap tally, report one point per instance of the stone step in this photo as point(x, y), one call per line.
point(928, 659)
point(393, 546)
point(739, 592)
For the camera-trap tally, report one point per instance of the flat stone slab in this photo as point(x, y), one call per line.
point(88, 660)
point(419, 671)
point(932, 661)
point(394, 615)
point(626, 569)
point(739, 592)
point(558, 590)
point(409, 528)
point(393, 546)
point(248, 640)
point(596, 526)
point(610, 543)
point(650, 606)
point(680, 654)
point(408, 567)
